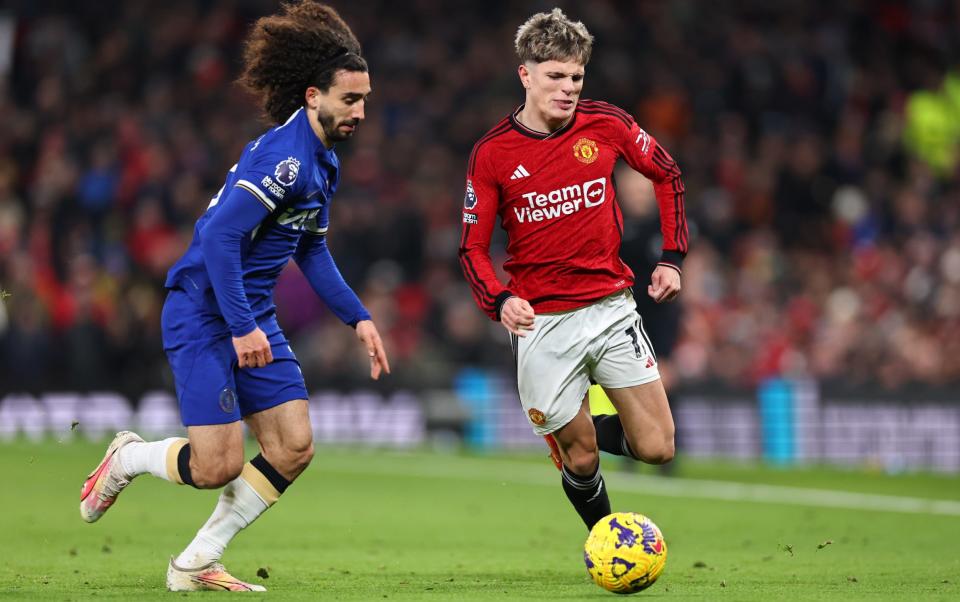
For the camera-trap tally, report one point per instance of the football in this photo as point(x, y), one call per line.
point(625, 552)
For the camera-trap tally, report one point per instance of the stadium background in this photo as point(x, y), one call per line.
point(812, 361)
point(820, 316)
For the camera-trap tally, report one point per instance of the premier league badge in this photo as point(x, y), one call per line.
point(287, 170)
point(470, 198)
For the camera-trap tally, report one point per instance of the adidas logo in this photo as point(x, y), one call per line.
point(519, 172)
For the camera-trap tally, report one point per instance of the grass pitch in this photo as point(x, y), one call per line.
point(362, 525)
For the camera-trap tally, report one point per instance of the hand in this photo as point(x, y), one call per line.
point(664, 284)
point(516, 315)
point(368, 335)
point(253, 349)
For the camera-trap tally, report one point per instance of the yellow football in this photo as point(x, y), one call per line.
point(625, 552)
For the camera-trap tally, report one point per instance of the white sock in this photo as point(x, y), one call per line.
point(139, 458)
point(238, 506)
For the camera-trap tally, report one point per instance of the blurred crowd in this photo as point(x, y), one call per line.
point(819, 245)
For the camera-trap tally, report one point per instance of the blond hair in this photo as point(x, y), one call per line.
point(553, 37)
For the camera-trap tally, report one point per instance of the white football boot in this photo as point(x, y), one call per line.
point(107, 480)
point(210, 576)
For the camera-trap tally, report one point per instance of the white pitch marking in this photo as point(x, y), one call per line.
point(508, 472)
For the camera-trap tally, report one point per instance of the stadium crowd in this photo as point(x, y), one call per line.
point(819, 245)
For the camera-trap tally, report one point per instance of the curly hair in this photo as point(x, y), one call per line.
point(553, 37)
point(304, 45)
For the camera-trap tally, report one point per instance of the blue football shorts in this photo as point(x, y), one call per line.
point(211, 389)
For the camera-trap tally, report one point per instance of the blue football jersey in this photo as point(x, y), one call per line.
point(278, 193)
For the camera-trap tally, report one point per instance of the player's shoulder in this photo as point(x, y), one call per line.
point(488, 141)
point(282, 152)
point(285, 139)
point(600, 111)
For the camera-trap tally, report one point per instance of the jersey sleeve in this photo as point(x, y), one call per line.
point(642, 152)
point(270, 175)
point(236, 217)
point(264, 181)
point(480, 206)
point(315, 261)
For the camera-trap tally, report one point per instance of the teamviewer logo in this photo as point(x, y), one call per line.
point(594, 192)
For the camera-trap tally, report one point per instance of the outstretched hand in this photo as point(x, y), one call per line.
point(368, 335)
point(664, 284)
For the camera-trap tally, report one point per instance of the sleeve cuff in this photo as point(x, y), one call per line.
point(672, 259)
point(500, 300)
point(244, 329)
point(359, 318)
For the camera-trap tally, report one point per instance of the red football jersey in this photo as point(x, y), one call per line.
point(555, 198)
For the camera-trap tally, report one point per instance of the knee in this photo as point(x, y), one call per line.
point(300, 455)
point(583, 460)
point(291, 456)
point(655, 450)
point(663, 453)
point(216, 473)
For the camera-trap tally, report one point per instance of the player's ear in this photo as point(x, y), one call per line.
point(312, 97)
point(524, 74)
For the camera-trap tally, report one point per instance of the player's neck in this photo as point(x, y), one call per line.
point(533, 119)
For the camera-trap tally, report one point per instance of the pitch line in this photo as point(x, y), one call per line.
point(518, 473)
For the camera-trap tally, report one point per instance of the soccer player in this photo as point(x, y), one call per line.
point(230, 359)
point(546, 170)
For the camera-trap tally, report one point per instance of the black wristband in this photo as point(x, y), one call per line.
point(673, 259)
point(500, 300)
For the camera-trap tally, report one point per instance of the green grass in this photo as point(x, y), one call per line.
point(363, 525)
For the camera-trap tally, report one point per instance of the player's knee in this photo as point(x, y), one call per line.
point(301, 455)
point(213, 475)
point(655, 449)
point(292, 456)
point(663, 453)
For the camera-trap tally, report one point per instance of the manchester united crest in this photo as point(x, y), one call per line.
point(537, 417)
point(586, 150)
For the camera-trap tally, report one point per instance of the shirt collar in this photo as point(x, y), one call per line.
point(313, 141)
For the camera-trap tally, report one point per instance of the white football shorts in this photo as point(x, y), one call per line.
point(604, 343)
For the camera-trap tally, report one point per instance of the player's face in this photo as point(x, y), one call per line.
point(340, 110)
point(553, 87)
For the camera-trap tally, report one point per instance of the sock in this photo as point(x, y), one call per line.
point(242, 500)
point(155, 457)
point(610, 435)
point(587, 494)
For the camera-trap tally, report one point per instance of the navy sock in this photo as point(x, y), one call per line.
point(279, 482)
point(183, 465)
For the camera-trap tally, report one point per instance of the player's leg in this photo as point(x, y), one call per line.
point(643, 427)
point(627, 369)
point(582, 481)
point(552, 380)
point(273, 402)
point(205, 461)
point(286, 439)
point(198, 566)
point(201, 359)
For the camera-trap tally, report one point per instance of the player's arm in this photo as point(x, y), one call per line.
point(480, 205)
point(317, 264)
point(240, 212)
point(644, 154)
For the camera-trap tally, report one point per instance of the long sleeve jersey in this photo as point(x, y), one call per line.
point(274, 206)
point(555, 198)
